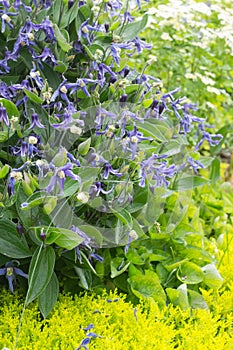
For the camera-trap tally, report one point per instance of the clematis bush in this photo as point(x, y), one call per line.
point(97, 160)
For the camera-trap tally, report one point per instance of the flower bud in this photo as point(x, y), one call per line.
point(82, 197)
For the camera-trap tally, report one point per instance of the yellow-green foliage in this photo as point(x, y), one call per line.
point(225, 255)
point(119, 324)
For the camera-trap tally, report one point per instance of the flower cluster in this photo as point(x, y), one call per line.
point(88, 138)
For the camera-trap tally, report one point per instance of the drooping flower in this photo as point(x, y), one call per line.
point(3, 115)
point(60, 175)
point(10, 272)
point(35, 122)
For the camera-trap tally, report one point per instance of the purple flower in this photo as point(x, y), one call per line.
point(47, 27)
point(96, 189)
point(157, 171)
point(116, 49)
point(61, 91)
point(3, 116)
point(27, 148)
point(6, 19)
point(46, 55)
point(35, 75)
point(212, 139)
point(102, 69)
point(11, 186)
point(19, 3)
point(60, 175)
point(35, 122)
point(10, 273)
point(134, 137)
point(80, 84)
point(97, 257)
point(109, 170)
point(85, 29)
point(195, 164)
point(140, 45)
point(90, 326)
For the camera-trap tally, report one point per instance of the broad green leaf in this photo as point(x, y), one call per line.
point(40, 272)
point(132, 88)
point(33, 97)
point(179, 296)
point(131, 30)
point(64, 45)
point(67, 239)
point(124, 216)
point(36, 199)
point(189, 182)
point(212, 277)
point(57, 13)
point(3, 136)
point(157, 132)
point(117, 268)
point(85, 277)
point(215, 171)
point(190, 273)
point(47, 299)
point(4, 171)
point(61, 67)
point(11, 244)
point(83, 147)
point(11, 108)
point(68, 16)
point(60, 158)
point(93, 233)
point(51, 234)
point(49, 204)
point(148, 286)
point(196, 300)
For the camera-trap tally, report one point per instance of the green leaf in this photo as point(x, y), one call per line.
point(60, 158)
point(117, 268)
point(33, 97)
point(190, 273)
point(212, 277)
point(11, 244)
point(50, 204)
point(124, 216)
point(11, 108)
point(3, 136)
point(85, 277)
point(57, 6)
point(47, 299)
point(40, 272)
point(64, 45)
point(215, 171)
point(83, 147)
point(61, 67)
point(196, 300)
point(67, 239)
point(189, 182)
point(148, 286)
point(68, 16)
point(159, 132)
point(131, 30)
point(36, 199)
point(4, 171)
point(179, 296)
point(93, 233)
